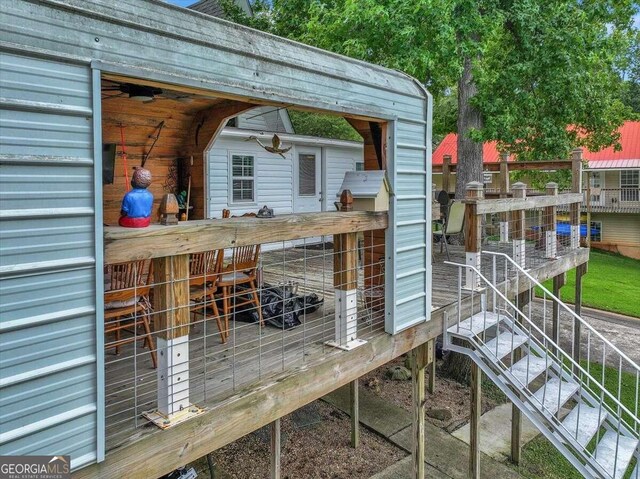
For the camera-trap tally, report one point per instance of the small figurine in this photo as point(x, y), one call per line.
point(169, 210)
point(137, 203)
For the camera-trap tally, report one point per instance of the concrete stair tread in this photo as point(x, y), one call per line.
point(529, 368)
point(475, 325)
point(586, 419)
point(553, 389)
point(505, 343)
point(605, 453)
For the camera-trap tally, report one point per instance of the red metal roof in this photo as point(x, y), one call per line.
point(627, 157)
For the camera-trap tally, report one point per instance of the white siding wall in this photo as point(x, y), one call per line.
point(264, 118)
point(339, 161)
point(273, 178)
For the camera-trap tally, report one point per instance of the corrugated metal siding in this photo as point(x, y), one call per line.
point(48, 374)
point(167, 43)
point(411, 184)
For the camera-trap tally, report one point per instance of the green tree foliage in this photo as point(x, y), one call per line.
point(631, 95)
point(327, 126)
point(547, 73)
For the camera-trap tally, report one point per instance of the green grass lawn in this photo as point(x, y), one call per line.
point(541, 459)
point(612, 284)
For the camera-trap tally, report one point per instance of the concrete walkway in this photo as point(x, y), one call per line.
point(446, 457)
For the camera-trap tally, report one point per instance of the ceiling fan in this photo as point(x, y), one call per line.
point(142, 93)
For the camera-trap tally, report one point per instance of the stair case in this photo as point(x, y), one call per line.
point(564, 398)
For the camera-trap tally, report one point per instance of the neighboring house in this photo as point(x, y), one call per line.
point(614, 179)
point(317, 164)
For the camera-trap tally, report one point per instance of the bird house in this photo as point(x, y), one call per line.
point(370, 190)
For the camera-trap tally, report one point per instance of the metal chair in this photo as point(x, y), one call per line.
point(204, 275)
point(126, 303)
point(453, 225)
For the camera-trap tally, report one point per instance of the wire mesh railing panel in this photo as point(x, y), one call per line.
point(191, 330)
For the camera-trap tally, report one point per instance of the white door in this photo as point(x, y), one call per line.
point(307, 197)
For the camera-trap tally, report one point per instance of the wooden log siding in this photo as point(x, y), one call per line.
point(156, 241)
point(514, 204)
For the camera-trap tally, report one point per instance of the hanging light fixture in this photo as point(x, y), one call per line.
point(142, 93)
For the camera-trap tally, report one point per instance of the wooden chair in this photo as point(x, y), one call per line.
point(126, 303)
point(204, 275)
point(242, 271)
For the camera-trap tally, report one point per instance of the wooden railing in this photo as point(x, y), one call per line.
point(186, 351)
point(513, 213)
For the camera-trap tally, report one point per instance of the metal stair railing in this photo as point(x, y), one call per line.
point(559, 364)
point(594, 339)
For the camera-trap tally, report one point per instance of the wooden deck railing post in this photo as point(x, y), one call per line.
point(576, 187)
point(419, 360)
point(446, 172)
point(518, 226)
point(171, 323)
point(345, 283)
point(504, 191)
point(473, 238)
point(550, 220)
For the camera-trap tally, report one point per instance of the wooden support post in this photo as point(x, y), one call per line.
point(345, 283)
point(522, 300)
point(432, 362)
point(576, 187)
point(558, 282)
point(518, 227)
point(474, 422)
point(355, 414)
point(446, 172)
point(473, 238)
point(550, 220)
point(275, 449)
point(504, 191)
point(581, 270)
point(588, 209)
point(171, 323)
point(419, 361)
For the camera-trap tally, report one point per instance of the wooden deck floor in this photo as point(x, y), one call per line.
point(217, 370)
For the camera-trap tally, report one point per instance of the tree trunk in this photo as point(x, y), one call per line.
point(458, 366)
point(469, 152)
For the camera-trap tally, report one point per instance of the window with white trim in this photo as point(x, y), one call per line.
point(630, 185)
point(242, 179)
point(359, 165)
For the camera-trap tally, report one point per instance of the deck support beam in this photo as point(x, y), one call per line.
point(523, 299)
point(518, 226)
point(355, 414)
point(504, 193)
point(275, 449)
point(576, 187)
point(171, 324)
point(345, 283)
point(581, 270)
point(558, 282)
point(419, 359)
point(431, 387)
point(550, 221)
point(474, 421)
point(473, 238)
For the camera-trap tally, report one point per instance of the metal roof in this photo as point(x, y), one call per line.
point(607, 158)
